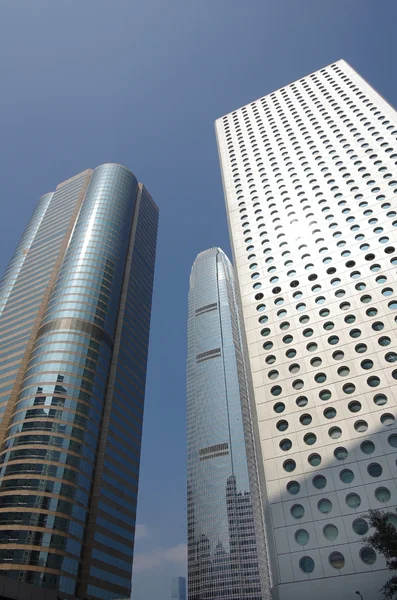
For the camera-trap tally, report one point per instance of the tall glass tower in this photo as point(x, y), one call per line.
point(178, 588)
point(226, 544)
point(75, 304)
point(310, 180)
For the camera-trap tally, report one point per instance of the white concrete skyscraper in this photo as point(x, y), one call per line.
point(310, 176)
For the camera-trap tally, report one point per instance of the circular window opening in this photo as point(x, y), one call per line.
point(353, 500)
point(367, 447)
point(293, 487)
point(335, 433)
point(319, 482)
point(282, 425)
point(368, 555)
point(279, 407)
point(338, 355)
point(375, 470)
point(337, 560)
point(330, 532)
point(302, 401)
point(349, 388)
point(361, 426)
point(312, 347)
point(387, 419)
point(382, 494)
point(360, 526)
point(373, 381)
point(341, 453)
point(380, 399)
point(305, 419)
point(289, 465)
point(343, 371)
point(346, 476)
point(297, 511)
point(361, 348)
point(310, 439)
point(330, 413)
point(290, 353)
point(354, 406)
point(302, 537)
point(314, 460)
point(324, 506)
point(285, 445)
point(306, 564)
point(392, 439)
point(325, 395)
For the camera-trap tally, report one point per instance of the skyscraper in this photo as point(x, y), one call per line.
point(178, 588)
point(226, 544)
point(310, 177)
point(75, 305)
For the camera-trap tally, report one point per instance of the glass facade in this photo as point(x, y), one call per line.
point(80, 285)
point(178, 588)
point(226, 544)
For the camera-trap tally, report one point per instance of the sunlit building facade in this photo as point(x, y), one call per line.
point(310, 176)
point(226, 545)
point(75, 304)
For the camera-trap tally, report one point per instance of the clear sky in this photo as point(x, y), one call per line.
point(140, 82)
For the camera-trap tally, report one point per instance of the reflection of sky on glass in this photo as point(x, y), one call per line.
point(141, 83)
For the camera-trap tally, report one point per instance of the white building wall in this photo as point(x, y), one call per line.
point(309, 175)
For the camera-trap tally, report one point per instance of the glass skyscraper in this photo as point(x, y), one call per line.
point(178, 588)
point(310, 180)
point(75, 304)
point(226, 544)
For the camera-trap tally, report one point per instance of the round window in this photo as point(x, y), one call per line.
point(340, 453)
point(301, 401)
point(346, 476)
point(368, 555)
point(293, 487)
point(282, 425)
point(353, 500)
point(335, 433)
point(387, 419)
point(380, 399)
point(330, 412)
point(337, 560)
point(324, 506)
point(289, 465)
point(367, 447)
point(314, 460)
point(319, 482)
point(285, 445)
point(361, 426)
point(302, 537)
point(375, 470)
point(382, 494)
point(310, 439)
point(297, 511)
point(330, 532)
point(306, 564)
point(360, 526)
point(305, 419)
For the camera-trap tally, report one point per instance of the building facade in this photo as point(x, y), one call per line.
point(310, 177)
point(226, 544)
point(75, 304)
point(178, 588)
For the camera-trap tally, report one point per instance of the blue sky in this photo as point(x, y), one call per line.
point(140, 83)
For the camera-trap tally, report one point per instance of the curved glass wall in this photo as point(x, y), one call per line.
point(55, 430)
point(226, 545)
